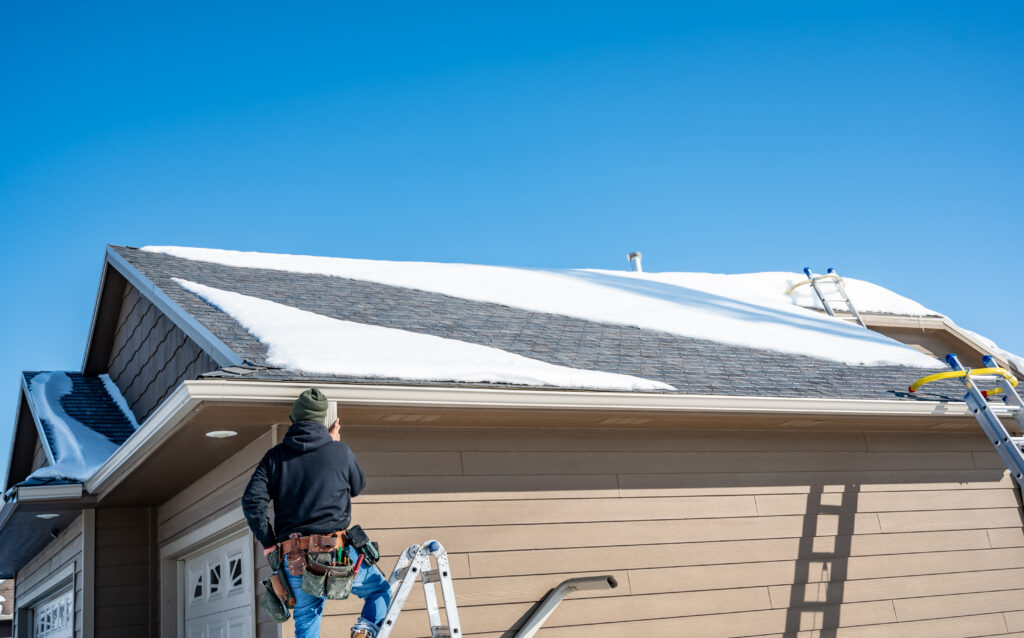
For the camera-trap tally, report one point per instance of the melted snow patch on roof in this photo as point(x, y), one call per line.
point(745, 310)
point(78, 450)
point(305, 341)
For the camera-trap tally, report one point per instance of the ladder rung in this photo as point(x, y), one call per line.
point(441, 631)
point(432, 576)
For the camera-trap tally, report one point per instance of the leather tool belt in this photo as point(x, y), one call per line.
point(297, 544)
point(322, 562)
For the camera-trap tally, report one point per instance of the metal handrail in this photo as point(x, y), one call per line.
point(555, 596)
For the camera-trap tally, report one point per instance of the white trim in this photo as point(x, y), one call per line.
point(224, 528)
point(217, 349)
point(433, 396)
point(193, 542)
point(35, 493)
point(171, 414)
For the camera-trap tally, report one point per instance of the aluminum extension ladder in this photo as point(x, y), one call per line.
point(833, 277)
point(415, 561)
point(1008, 447)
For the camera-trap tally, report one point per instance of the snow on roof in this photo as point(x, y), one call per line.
point(78, 450)
point(305, 341)
point(746, 310)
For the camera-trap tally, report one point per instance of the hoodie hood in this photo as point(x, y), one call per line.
point(304, 436)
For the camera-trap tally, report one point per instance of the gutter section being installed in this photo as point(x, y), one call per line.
point(173, 412)
point(538, 618)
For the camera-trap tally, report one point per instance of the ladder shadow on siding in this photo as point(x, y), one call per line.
point(820, 596)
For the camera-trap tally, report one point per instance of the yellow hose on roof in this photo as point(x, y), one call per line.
point(806, 282)
point(958, 374)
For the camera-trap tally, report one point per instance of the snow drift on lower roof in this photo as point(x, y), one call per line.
point(745, 310)
point(308, 342)
point(78, 450)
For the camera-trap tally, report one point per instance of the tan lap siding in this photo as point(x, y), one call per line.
point(65, 549)
point(708, 533)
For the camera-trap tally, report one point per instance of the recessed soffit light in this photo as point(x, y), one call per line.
point(221, 434)
point(47, 516)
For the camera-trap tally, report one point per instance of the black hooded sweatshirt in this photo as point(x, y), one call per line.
point(311, 479)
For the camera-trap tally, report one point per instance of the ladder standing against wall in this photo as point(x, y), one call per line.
point(988, 413)
point(817, 282)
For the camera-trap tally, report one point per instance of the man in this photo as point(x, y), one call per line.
point(311, 478)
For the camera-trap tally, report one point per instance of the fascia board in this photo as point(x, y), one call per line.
point(43, 441)
point(160, 425)
point(411, 396)
point(96, 308)
point(217, 349)
point(14, 432)
point(33, 493)
point(190, 394)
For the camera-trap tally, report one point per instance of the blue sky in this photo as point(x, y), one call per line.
point(884, 139)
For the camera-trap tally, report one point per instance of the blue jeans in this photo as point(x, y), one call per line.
point(370, 585)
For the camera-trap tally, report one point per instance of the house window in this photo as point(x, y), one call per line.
point(55, 618)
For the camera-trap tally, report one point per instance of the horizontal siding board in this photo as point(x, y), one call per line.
point(959, 605)
point(941, 584)
point(717, 552)
point(683, 484)
point(528, 537)
point(591, 617)
point(397, 489)
point(933, 521)
point(555, 511)
point(398, 439)
point(709, 462)
point(1007, 537)
point(910, 501)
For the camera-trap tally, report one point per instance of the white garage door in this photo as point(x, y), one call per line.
point(218, 592)
point(55, 617)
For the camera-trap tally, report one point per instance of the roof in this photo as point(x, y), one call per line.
point(89, 413)
point(688, 364)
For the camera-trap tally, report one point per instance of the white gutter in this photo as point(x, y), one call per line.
point(172, 413)
point(35, 493)
point(426, 396)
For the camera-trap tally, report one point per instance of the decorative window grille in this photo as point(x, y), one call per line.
point(214, 571)
point(55, 618)
point(197, 588)
point(235, 572)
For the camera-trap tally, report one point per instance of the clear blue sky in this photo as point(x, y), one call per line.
point(883, 138)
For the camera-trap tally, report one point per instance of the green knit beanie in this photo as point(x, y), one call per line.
point(310, 406)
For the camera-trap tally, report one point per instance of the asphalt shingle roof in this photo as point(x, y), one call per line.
point(694, 366)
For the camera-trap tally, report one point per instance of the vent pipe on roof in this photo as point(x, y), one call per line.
point(634, 261)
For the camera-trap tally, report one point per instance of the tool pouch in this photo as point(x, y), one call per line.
point(326, 579)
point(296, 558)
point(272, 603)
point(278, 598)
point(361, 542)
